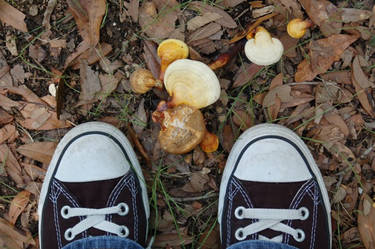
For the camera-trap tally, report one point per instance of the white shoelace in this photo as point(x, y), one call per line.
point(270, 219)
point(95, 218)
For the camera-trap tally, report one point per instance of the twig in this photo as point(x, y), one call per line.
point(47, 14)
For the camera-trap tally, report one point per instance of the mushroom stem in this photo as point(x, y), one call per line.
point(262, 37)
point(224, 58)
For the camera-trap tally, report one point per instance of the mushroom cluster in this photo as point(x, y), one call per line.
point(192, 85)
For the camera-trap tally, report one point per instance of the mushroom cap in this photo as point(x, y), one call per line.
point(263, 49)
point(172, 49)
point(142, 81)
point(297, 28)
point(182, 130)
point(192, 83)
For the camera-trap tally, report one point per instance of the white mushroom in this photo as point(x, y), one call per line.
point(263, 49)
point(192, 83)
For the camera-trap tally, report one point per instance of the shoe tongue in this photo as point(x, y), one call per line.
point(271, 195)
point(92, 194)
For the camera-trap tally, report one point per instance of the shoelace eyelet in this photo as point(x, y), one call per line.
point(300, 235)
point(239, 212)
point(69, 234)
point(124, 209)
point(124, 231)
point(65, 212)
point(239, 234)
point(304, 213)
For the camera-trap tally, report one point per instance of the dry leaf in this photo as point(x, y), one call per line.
point(17, 205)
point(9, 232)
point(263, 11)
point(335, 119)
point(355, 15)
point(290, 45)
point(322, 54)
point(283, 92)
point(366, 221)
point(25, 92)
point(7, 132)
point(227, 139)
point(88, 15)
point(362, 87)
point(324, 14)
point(232, 3)
point(4, 116)
point(166, 240)
point(140, 118)
point(90, 84)
point(342, 77)
point(10, 43)
point(34, 171)
point(151, 58)
point(226, 20)
point(200, 21)
point(109, 83)
point(204, 32)
point(37, 53)
point(245, 74)
point(133, 9)
point(293, 7)
point(242, 119)
point(158, 18)
point(210, 239)
point(92, 56)
point(12, 16)
point(12, 167)
point(39, 151)
point(197, 183)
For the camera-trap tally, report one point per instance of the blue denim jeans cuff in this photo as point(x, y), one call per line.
point(260, 244)
point(103, 242)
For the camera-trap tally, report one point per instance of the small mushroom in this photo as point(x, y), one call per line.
point(169, 51)
point(192, 83)
point(297, 27)
point(182, 128)
point(142, 81)
point(263, 49)
point(210, 142)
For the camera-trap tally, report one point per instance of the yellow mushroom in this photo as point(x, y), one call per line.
point(297, 27)
point(169, 51)
point(210, 142)
point(263, 49)
point(142, 81)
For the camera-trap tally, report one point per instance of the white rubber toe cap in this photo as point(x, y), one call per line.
point(272, 160)
point(92, 157)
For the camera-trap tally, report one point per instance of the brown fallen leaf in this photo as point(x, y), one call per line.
point(88, 15)
point(283, 92)
point(242, 119)
point(133, 9)
point(12, 16)
point(245, 74)
point(39, 151)
point(290, 45)
point(151, 58)
point(40, 117)
point(37, 52)
point(226, 20)
point(109, 83)
point(12, 167)
point(169, 239)
point(342, 77)
point(34, 171)
point(8, 104)
point(17, 205)
point(322, 54)
point(92, 56)
point(25, 92)
point(158, 18)
point(335, 119)
point(273, 109)
point(204, 32)
point(227, 138)
point(90, 84)
point(232, 3)
point(197, 183)
point(200, 21)
point(5, 117)
point(9, 232)
point(355, 15)
point(293, 7)
point(366, 221)
point(7, 132)
point(324, 14)
point(362, 87)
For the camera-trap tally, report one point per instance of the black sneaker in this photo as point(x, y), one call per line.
point(272, 190)
point(94, 186)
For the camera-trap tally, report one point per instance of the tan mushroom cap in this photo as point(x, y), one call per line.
point(263, 49)
point(142, 81)
point(192, 83)
point(182, 129)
